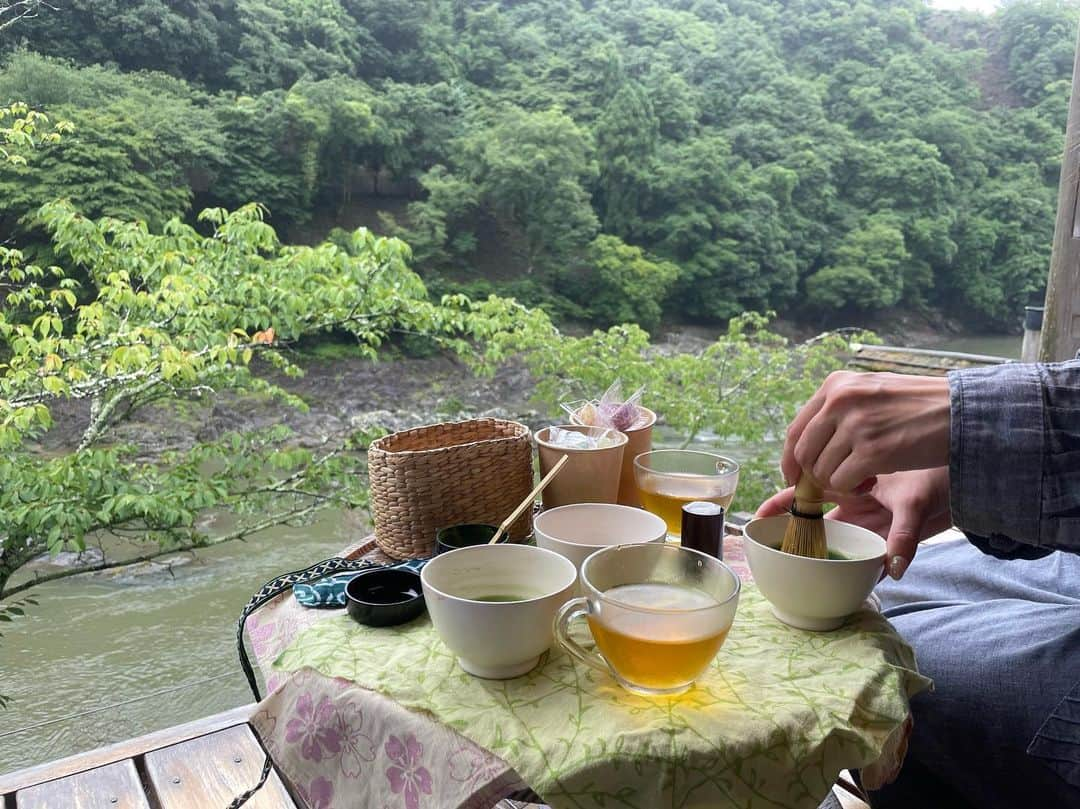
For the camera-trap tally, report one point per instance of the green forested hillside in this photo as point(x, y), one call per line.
point(615, 161)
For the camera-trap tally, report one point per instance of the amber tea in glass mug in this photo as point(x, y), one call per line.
point(658, 614)
point(668, 479)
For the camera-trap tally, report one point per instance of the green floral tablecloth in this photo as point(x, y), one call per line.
point(777, 716)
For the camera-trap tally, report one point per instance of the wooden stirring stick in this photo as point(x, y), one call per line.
point(528, 501)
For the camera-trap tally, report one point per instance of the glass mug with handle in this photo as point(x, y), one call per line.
point(658, 614)
point(668, 479)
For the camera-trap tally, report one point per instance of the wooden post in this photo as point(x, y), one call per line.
point(1029, 348)
point(1061, 321)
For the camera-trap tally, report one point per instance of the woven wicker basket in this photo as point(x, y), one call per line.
point(430, 477)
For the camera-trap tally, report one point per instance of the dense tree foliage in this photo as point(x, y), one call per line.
point(822, 157)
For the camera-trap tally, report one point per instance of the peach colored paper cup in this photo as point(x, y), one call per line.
point(590, 476)
point(638, 440)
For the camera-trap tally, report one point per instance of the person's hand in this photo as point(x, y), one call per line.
point(904, 508)
point(860, 425)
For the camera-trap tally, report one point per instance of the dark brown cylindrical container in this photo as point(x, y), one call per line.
point(703, 528)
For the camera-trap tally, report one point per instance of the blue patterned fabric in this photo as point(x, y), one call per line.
point(329, 592)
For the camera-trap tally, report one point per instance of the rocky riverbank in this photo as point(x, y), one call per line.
point(342, 394)
point(346, 392)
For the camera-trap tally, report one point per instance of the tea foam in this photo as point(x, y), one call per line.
point(657, 596)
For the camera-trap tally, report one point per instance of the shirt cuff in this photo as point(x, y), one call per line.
point(996, 437)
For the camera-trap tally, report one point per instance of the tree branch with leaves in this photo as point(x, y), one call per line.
point(23, 129)
point(11, 11)
point(138, 321)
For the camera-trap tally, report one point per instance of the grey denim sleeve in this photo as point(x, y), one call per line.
point(1014, 455)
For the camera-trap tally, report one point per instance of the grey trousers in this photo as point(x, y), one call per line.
point(1001, 639)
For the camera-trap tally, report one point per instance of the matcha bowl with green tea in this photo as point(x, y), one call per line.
point(815, 594)
point(493, 605)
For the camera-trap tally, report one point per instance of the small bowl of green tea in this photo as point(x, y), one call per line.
point(816, 594)
point(493, 606)
point(385, 597)
point(466, 535)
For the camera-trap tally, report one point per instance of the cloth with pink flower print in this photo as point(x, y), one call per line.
point(373, 718)
point(344, 747)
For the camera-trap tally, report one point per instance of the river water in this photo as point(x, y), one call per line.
point(993, 345)
point(92, 644)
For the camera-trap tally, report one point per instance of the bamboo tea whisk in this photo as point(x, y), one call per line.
point(805, 534)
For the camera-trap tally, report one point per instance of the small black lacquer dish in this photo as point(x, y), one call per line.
point(385, 597)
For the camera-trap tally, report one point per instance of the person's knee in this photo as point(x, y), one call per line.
point(999, 672)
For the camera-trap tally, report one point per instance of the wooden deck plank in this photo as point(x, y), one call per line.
point(212, 770)
point(916, 360)
point(128, 749)
point(115, 785)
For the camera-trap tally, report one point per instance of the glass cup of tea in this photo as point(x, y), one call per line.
point(668, 479)
point(658, 614)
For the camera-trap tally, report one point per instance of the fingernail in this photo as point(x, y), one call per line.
point(897, 565)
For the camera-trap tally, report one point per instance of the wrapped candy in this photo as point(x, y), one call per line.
point(587, 414)
point(611, 410)
point(575, 440)
point(624, 416)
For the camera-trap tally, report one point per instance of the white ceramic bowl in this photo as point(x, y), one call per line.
point(497, 639)
point(576, 531)
point(815, 594)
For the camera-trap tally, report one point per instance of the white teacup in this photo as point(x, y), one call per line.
point(576, 531)
point(494, 605)
point(816, 594)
